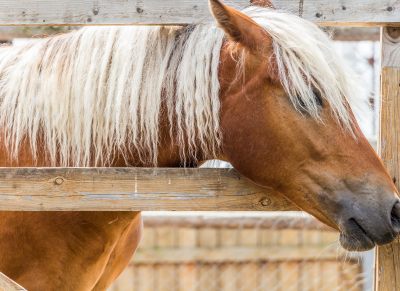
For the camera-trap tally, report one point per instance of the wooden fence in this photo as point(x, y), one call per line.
point(340, 33)
point(104, 12)
point(132, 189)
point(93, 195)
point(239, 253)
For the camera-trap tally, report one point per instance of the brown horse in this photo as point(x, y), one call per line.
point(266, 93)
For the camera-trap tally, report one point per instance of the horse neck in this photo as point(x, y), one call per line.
point(170, 152)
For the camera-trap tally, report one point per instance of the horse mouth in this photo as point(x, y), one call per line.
point(355, 238)
point(364, 232)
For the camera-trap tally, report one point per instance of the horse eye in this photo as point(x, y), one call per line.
point(318, 98)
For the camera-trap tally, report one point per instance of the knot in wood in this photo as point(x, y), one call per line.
point(318, 15)
point(265, 201)
point(58, 180)
point(393, 32)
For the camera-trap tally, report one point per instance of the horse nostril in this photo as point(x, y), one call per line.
point(395, 217)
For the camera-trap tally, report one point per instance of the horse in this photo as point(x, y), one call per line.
point(262, 89)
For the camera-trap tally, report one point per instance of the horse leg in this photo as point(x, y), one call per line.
point(121, 255)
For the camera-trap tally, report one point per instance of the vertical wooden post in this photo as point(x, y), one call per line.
point(387, 267)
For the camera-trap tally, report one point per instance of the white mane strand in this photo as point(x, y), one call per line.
point(100, 90)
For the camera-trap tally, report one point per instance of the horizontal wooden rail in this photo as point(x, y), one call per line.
point(97, 189)
point(266, 220)
point(8, 33)
point(116, 12)
point(238, 254)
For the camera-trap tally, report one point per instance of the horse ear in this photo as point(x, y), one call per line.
point(240, 28)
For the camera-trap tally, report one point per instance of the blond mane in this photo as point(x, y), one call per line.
point(99, 90)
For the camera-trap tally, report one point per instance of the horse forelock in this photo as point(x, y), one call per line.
point(307, 62)
point(99, 90)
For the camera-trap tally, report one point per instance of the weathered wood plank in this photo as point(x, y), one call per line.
point(206, 255)
point(89, 12)
point(390, 39)
point(387, 267)
point(348, 13)
point(6, 284)
point(355, 33)
point(233, 221)
point(132, 189)
point(8, 33)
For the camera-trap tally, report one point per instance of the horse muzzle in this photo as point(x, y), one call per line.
point(373, 223)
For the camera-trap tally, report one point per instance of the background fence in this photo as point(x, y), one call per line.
point(239, 252)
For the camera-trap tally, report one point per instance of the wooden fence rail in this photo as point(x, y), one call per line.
point(115, 12)
point(45, 189)
point(9, 33)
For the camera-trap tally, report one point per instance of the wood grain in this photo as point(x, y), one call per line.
point(6, 284)
point(237, 254)
point(117, 12)
point(387, 267)
point(45, 189)
point(390, 39)
point(267, 221)
point(8, 33)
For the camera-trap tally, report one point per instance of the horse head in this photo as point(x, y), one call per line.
point(287, 124)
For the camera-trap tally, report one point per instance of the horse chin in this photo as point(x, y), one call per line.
point(356, 242)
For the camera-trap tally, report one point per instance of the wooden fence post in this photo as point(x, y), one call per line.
point(387, 267)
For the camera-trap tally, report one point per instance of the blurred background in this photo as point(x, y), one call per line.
point(272, 251)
